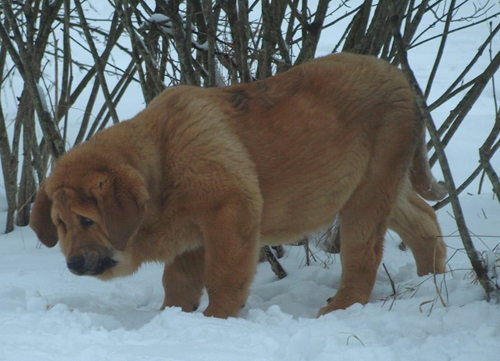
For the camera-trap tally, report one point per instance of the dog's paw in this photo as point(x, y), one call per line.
point(336, 303)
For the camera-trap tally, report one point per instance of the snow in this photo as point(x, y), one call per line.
point(165, 25)
point(43, 99)
point(158, 18)
point(199, 46)
point(46, 313)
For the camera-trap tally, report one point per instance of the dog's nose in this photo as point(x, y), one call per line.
point(76, 264)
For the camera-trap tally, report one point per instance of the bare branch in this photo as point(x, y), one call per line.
point(22, 61)
point(97, 60)
point(481, 272)
point(458, 114)
point(439, 55)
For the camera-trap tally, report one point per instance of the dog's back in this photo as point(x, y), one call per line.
point(312, 133)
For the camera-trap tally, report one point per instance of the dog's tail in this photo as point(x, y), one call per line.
point(421, 176)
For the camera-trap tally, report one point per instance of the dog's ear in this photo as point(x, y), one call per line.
point(122, 199)
point(41, 221)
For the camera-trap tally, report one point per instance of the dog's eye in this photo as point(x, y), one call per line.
point(86, 222)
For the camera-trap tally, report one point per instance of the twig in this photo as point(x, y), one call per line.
point(486, 153)
point(305, 241)
point(390, 280)
point(275, 264)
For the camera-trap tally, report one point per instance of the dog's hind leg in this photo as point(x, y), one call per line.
point(363, 224)
point(183, 280)
point(416, 223)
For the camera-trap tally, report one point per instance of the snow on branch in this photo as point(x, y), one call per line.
point(162, 22)
point(43, 98)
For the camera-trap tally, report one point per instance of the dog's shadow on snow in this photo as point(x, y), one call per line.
point(130, 305)
point(98, 313)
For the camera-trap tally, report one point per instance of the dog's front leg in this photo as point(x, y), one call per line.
point(183, 280)
point(231, 251)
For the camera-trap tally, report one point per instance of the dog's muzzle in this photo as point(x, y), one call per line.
point(90, 265)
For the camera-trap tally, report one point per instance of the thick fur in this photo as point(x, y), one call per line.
point(202, 177)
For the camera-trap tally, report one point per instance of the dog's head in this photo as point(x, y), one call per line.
point(93, 212)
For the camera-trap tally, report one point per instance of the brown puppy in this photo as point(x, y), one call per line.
point(202, 177)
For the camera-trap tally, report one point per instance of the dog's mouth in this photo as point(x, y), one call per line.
point(103, 265)
point(90, 265)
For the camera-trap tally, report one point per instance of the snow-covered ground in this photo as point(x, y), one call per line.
point(46, 313)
